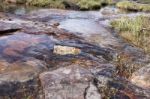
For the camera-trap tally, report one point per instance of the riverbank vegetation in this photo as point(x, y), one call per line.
point(135, 30)
point(81, 4)
point(133, 6)
point(78, 4)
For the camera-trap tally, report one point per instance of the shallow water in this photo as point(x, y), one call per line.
point(20, 46)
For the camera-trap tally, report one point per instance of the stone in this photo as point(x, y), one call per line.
point(65, 50)
point(141, 77)
point(6, 27)
point(92, 92)
point(115, 87)
point(20, 78)
point(109, 11)
point(66, 82)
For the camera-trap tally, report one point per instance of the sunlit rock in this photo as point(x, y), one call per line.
point(65, 50)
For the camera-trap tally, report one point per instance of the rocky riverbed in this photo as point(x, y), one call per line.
point(65, 54)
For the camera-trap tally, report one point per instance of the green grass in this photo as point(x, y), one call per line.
point(47, 3)
point(132, 6)
point(80, 4)
point(135, 30)
point(91, 4)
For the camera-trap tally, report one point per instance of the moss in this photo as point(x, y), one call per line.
point(135, 30)
point(132, 6)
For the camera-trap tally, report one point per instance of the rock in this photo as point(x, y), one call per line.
point(141, 77)
point(109, 11)
point(8, 31)
point(66, 83)
point(103, 75)
point(115, 87)
point(55, 24)
point(64, 50)
point(92, 92)
point(20, 78)
point(6, 27)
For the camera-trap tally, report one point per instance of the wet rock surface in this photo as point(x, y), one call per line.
point(59, 54)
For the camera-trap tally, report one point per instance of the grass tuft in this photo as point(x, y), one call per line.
point(135, 30)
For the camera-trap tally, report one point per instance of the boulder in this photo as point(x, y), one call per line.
point(20, 79)
point(66, 83)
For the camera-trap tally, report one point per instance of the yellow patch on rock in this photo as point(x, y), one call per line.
point(64, 50)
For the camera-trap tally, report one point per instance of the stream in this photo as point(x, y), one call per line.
point(65, 54)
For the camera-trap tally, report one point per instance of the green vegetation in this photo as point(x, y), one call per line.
point(135, 30)
point(133, 6)
point(93, 4)
point(80, 4)
point(47, 3)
